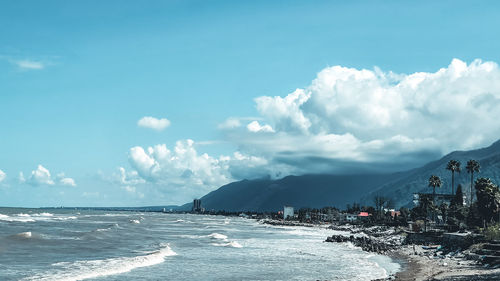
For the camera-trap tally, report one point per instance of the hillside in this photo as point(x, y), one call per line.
point(416, 180)
point(314, 191)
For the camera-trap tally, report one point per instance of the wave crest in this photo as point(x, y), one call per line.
point(80, 270)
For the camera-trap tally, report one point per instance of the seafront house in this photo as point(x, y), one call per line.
point(288, 212)
point(346, 217)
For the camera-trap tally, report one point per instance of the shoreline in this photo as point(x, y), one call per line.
point(422, 267)
point(417, 262)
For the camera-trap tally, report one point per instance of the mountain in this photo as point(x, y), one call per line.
point(316, 191)
point(416, 180)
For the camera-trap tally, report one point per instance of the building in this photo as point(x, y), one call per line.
point(395, 213)
point(287, 212)
point(346, 217)
point(197, 206)
point(439, 199)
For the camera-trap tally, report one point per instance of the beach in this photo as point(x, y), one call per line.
point(422, 265)
point(419, 262)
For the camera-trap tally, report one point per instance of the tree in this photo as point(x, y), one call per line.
point(380, 202)
point(488, 199)
point(472, 167)
point(426, 204)
point(456, 212)
point(434, 181)
point(453, 166)
point(458, 200)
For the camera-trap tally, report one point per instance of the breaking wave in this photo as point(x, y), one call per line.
point(233, 244)
point(24, 235)
point(216, 235)
point(21, 217)
point(80, 270)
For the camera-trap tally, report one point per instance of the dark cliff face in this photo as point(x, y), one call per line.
point(316, 191)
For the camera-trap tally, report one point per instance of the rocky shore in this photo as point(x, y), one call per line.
point(454, 260)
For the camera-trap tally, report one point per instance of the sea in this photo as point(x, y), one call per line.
point(71, 244)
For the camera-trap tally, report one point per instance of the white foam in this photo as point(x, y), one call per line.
point(216, 235)
point(25, 235)
point(23, 218)
point(233, 244)
point(135, 221)
point(43, 215)
point(80, 270)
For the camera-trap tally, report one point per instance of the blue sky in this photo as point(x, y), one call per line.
point(76, 77)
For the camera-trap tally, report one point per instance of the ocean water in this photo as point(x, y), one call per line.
point(37, 244)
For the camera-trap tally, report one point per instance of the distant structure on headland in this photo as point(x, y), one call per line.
point(287, 212)
point(197, 206)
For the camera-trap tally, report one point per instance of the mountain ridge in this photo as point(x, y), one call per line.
point(320, 190)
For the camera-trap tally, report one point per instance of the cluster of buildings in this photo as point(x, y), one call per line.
point(328, 215)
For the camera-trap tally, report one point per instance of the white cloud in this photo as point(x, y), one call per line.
point(181, 166)
point(129, 178)
point(367, 116)
point(255, 127)
point(346, 119)
point(63, 180)
point(235, 122)
point(153, 123)
point(2, 175)
point(42, 176)
point(67, 182)
point(184, 168)
point(29, 64)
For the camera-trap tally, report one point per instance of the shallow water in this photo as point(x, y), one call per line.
point(38, 244)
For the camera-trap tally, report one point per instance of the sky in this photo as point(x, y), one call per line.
point(134, 103)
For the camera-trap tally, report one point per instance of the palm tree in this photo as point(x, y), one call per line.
point(434, 181)
point(453, 166)
point(472, 166)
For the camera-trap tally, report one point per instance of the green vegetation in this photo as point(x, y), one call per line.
point(448, 212)
point(472, 167)
point(434, 181)
point(492, 232)
point(453, 166)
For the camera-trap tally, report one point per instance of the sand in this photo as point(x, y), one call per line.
point(423, 265)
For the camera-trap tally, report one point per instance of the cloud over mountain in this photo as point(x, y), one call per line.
point(349, 115)
point(347, 119)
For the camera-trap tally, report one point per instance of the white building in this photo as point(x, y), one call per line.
point(348, 217)
point(287, 212)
